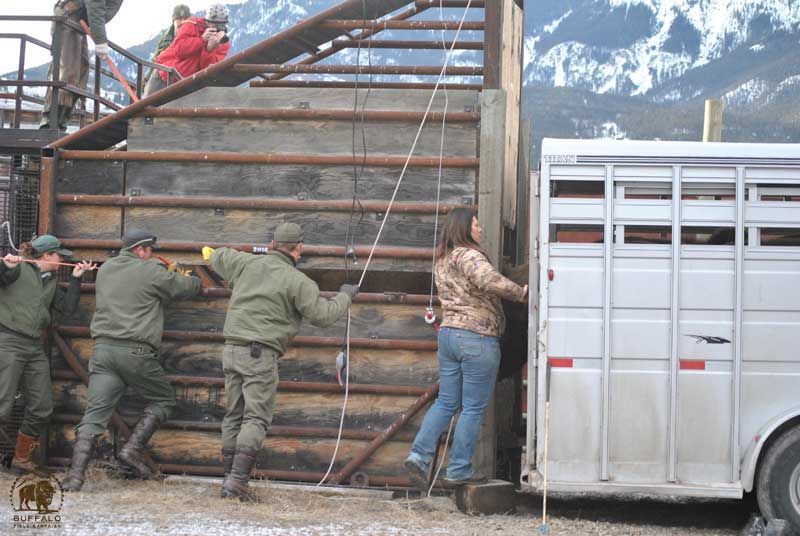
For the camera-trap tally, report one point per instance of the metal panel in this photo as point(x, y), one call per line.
point(608, 271)
point(738, 326)
point(570, 210)
point(675, 304)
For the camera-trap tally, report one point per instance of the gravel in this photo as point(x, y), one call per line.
point(192, 506)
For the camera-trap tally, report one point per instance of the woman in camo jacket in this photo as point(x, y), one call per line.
point(470, 290)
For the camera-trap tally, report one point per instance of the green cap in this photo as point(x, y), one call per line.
point(49, 243)
point(181, 12)
point(288, 232)
point(137, 237)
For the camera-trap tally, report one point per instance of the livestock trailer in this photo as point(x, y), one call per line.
point(665, 336)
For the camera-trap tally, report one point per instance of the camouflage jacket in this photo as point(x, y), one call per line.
point(470, 290)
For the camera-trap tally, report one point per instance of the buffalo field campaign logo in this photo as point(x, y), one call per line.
point(37, 501)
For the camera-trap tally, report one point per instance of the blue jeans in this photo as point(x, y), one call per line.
point(468, 363)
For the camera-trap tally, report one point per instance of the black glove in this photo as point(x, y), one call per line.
point(350, 290)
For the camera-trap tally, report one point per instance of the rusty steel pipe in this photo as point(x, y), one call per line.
point(345, 472)
point(274, 431)
point(47, 195)
point(251, 203)
point(300, 340)
point(298, 113)
point(428, 4)
point(362, 297)
point(294, 68)
point(199, 79)
point(289, 386)
point(391, 252)
point(266, 474)
point(80, 373)
point(408, 44)
point(364, 85)
point(339, 24)
point(273, 159)
point(330, 51)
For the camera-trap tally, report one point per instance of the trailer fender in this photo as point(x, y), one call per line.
point(753, 452)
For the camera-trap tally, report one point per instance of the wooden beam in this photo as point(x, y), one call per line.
point(511, 82)
point(490, 178)
point(712, 122)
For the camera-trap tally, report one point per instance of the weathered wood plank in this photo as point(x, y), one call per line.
point(73, 221)
point(317, 98)
point(298, 182)
point(207, 404)
point(254, 226)
point(313, 137)
point(384, 321)
point(90, 177)
point(490, 187)
point(277, 452)
point(367, 366)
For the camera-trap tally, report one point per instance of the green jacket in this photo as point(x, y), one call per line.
point(130, 297)
point(98, 13)
point(30, 300)
point(270, 298)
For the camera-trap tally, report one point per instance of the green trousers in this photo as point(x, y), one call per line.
point(250, 387)
point(23, 358)
point(116, 365)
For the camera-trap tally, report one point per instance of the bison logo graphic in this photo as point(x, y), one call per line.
point(42, 495)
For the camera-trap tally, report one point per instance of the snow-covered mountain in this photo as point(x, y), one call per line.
point(666, 50)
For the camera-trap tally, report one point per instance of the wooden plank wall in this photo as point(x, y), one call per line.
point(192, 436)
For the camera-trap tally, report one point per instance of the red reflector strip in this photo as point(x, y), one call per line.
point(687, 364)
point(560, 362)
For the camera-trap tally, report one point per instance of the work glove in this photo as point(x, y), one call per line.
point(207, 252)
point(102, 50)
point(350, 290)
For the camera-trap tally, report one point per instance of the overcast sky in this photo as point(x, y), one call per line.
point(137, 21)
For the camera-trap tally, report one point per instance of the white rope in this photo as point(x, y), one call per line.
point(383, 224)
point(444, 453)
point(414, 145)
point(435, 233)
point(7, 225)
point(344, 405)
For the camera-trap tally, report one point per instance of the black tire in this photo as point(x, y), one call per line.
point(778, 486)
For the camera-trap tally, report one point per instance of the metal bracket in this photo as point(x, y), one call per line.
point(148, 120)
point(219, 212)
point(135, 192)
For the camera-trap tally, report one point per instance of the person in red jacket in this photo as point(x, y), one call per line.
point(200, 42)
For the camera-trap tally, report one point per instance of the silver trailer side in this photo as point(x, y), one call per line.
point(672, 365)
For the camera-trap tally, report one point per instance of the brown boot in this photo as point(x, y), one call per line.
point(132, 453)
point(82, 452)
point(227, 460)
point(23, 455)
point(235, 484)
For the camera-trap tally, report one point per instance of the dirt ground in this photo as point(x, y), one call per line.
point(192, 506)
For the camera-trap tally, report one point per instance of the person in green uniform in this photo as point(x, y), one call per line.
point(30, 301)
point(269, 300)
point(180, 14)
point(131, 292)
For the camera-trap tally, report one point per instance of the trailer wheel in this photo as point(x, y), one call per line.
point(778, 491)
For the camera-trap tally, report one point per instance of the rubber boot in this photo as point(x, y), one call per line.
point(132, 453)
point(82, 452)
point(23, 455)
point(235, 484)
point(227, 460)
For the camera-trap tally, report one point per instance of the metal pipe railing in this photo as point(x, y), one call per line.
point(55, 49)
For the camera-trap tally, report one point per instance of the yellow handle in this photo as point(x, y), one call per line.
point(207, 252)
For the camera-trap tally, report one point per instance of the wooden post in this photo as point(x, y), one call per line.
point(492, 167)
point(712, 123)
point(490, 206)
point(523, 194)
point(511, 82)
